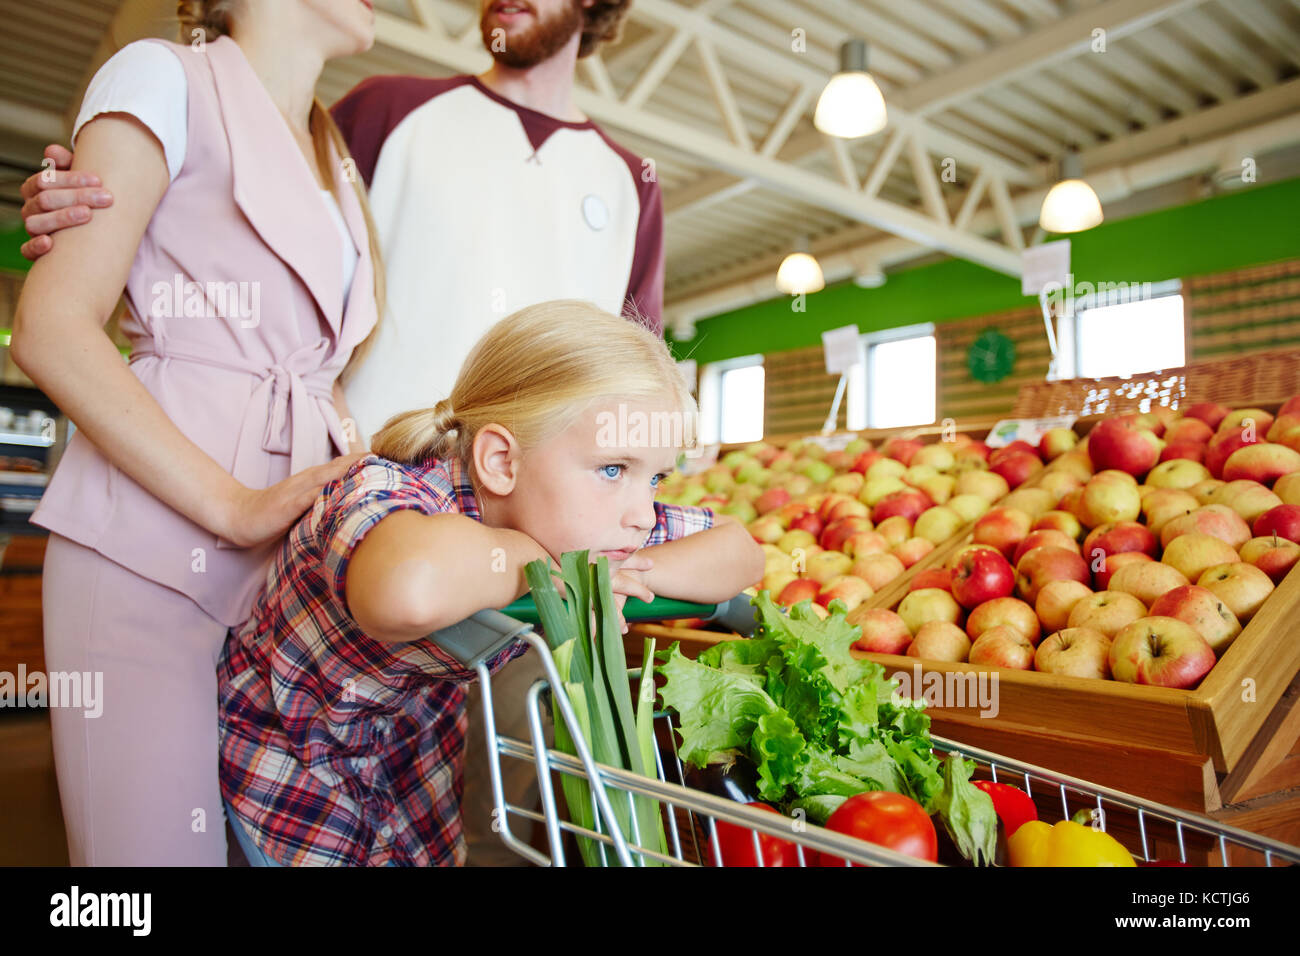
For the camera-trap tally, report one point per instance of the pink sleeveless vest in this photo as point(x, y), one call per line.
point(238, 329)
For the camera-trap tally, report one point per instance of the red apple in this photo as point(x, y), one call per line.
point(1115, 443)
point(1102, 575)
point(1041, 539)
point(847, 588)
point(1147, 580)
point(1162, 651)
point(1017, 467)
point(1002, 646)
point(883, 631)
point(909, 503)
point(809, 522)
point(902, 449)
point(771, 500)
point(1273, 555)
point(877, 569)
point(1106, 611)
point(800, 589)
point(1075, 652)
point(912, 550)
point(1283, 521)
point(1190, 430)
point(932, 578)
point(1223, 445)
point(1042, 565)
point(865, 461)
point(1201, 609)
point(982, 576)
point(1119, 537)
point(1264, 462)
point(836, 534)
point(1004, 528)
point(1194, 553)
point(1218, 521)
point(1211, 413)
point(1192, 451)
point(1008, 610)
point(862, 543)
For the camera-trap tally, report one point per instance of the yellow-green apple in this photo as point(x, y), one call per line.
point(1119, 537)
point(1072, 501)
point(957, 556)
point(916, 474)
point(928, 604)
point(765, 529)
point(1011, 611)
point(937, 524)
point(1102, 572)
point(1034, 502)
point(937, 456)
point(776, 580)
point(1075, 463)
point(848, 508)
point(1218, 521)
point(1254, 419)
point(875, 490)
point(1193, 553)
point(1225, 444)
point(1055, 602)
point(1247, 497)
point(826, 565)
point(912, 550)
point(1062, 521)
point(1290, 438)
point(835, 534)
point(1161, 651)
point(886, 468)
point(849, 483)
point(862, 543)
point(1107, 612)
point(817, 471)
point(940, 641)
point(1039, 566)
point(1004, 528)
point(1043, 538)
point(980, 576)
point(1107, 500)
point(1075, 652)
point(800, 589)
point(1002, 646)
point(1017, 467)
point(1200, 608)
point(1212, 413)
point(1240, 585)
point(1288, 488)
point(969, 507)
point(741, 510)
point(1164, 504)
point(939, 488)
point(1184, 451)
point(932, 578)
point(847, 588)
point(1205, 491)
point(911, 503)
point(1264, 462)
point(987, 484)
point(1057, 484)
point(883, 631)
point(877, 569)
point(1146, 580)
point(1056, 442)
point(1120, 444)
point(1273, 555)
point(795, 538)
point(1283, 521)
point(1191, 430)
point(1282, 424)
point(1177, 473)
point(895, 530)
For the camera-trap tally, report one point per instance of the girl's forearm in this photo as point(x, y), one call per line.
point(708, 566)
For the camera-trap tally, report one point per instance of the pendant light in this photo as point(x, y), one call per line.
point(852, 104)
point(799, 272)
point(1071, 205)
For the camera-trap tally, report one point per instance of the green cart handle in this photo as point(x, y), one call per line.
point(736, 613)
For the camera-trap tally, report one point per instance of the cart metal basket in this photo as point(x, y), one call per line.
point(1152, 832)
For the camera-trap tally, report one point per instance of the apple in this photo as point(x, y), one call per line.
point(1290, 407)
point(838, 505)
point(1191, 430)
point(1062, 521)
point(932, 578)
point(1177, 473)
point(916, 474)
point(1284, 423)
point(1017, 467)
point(929, 604)
point(1200, 608)
point(1057, 484)
point(1107, 612)
point(875, 490)
point(808, 521)
point(1283, 521)
point(865, 461)
point(883, 631)
point(1211, 413)
point(1223, 445)
point(827, 565)
point(1075, 652)
point(987, 484)
point(1106, 501)
point(981, 576)
point(1116, 443)
point(910, 503)
point(939, 488)
point(1264, 462)
point(818, 472)
point(956, 557)
point(741, 510)
point(1034, 502)
point(936, 456)
point(1147, 580)
point(938, 524)
point(1193, 553)
point(864, 542)
point(1246, 419)
point(1056, 600)
point(1039, 566)
point(902, 449)
point(912, 550)
point(1273, 555)
point(800, 589)
point(1002, 646)
point(1248, 498)
point(1218, 521)
point(1288, 488)
point(766, 529)
point(968, 507)
point(1015, 447)
point(1044, 538)
point(837, 533)
point(1008, 610)
point(940, 641)
point(1205, 491)
point(877, 569)
point(1183, 451)
point(1164, 504)
point(1075, 463)
point(1103, 572)
point(1004, 528)
point(895, 530)
point(771, 499)
point(1161, 651)
point(886, 468)
point(1056, 442)
point(847, 588)
point(1238, 584)
point(1119, 537)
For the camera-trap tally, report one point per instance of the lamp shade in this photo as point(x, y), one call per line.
point(1070, 206)
point(852, 104)
point(800, 273)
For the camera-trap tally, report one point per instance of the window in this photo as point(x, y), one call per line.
point(731, 401)
point(1136, 331)
point(896, 386)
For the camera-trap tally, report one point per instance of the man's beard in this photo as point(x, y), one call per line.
point(539, 43)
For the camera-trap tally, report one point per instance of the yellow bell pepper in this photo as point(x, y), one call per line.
point(1036, 843)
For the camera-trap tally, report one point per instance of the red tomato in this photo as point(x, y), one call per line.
point(737, 845)
point(1011, 804)
point(887, 819)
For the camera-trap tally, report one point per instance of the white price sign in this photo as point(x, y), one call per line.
point(1041, 266)
point(1025, 429)
point(843, 348)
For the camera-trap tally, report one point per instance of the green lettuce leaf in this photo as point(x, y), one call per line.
point(967, 812)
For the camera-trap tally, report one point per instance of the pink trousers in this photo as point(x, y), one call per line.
point(138, 783)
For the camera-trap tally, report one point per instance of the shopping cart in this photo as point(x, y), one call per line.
point(1152, 832)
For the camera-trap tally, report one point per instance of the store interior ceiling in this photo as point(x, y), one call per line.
point(1166, 102)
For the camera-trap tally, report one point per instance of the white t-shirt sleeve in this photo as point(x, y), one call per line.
point(148, 81)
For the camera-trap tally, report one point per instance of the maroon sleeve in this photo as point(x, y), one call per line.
point(645, 284)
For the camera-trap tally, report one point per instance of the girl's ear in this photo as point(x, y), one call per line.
point(496, 459)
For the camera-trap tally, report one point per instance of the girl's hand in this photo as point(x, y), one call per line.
point(257, 515)
point(628, 582)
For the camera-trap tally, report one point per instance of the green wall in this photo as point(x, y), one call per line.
point(1261, 224)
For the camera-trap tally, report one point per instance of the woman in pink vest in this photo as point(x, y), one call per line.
point(240, 239)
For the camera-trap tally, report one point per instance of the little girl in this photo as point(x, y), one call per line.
point(341, 725)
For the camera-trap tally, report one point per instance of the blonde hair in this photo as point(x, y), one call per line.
point(213, 18)
point(535, 372)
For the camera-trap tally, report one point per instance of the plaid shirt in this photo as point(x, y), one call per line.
point(337, 748)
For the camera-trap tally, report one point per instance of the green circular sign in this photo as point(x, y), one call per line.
point(991, 357)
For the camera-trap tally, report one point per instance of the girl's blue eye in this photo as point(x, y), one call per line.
point(604, 470)
point(654, 482)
